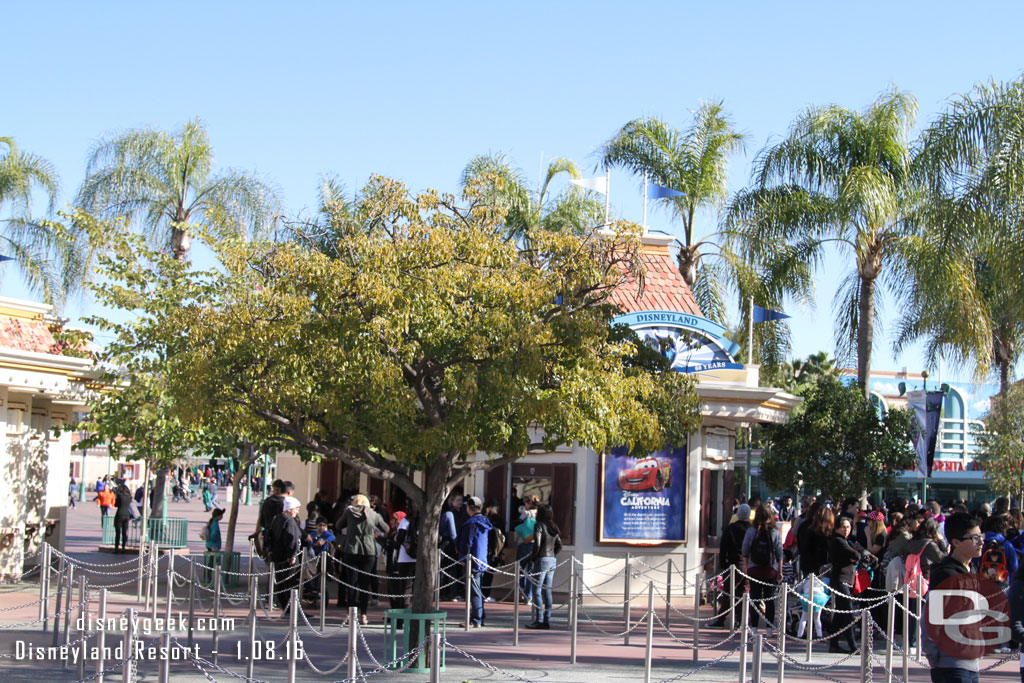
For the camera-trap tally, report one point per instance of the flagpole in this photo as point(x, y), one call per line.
point(750, 334)
point(645, 201)
point(607, 196)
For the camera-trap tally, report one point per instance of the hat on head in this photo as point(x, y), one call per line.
point(291, 502)
point(743, 512)
point(474, 501)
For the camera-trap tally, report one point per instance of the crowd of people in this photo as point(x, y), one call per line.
point(361, 532)
point(852, 549)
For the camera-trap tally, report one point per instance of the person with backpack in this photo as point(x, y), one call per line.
point(999, 556)
point(762, 549)
point(403, 546)
point(730, 553)
point(495, 545)
point(843, 555)
point(546, 546)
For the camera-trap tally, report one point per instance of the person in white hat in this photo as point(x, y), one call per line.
point(285, 542)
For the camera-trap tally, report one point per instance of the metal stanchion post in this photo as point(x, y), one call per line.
point(191, 602)
point(67, 610)
point(353, 624)
point(253, 590)
point(440, 580)
point(781, 613)
point(156, 578)
point(170, 582)
point(215, 636)
point(668, 593)
point(149, 572)
point(745, 605)
point(890, 632)
point(60, 592)
point(732, 598)
point(293, 631)
point(252, 552)
point(44, 571)
point(515, 606)
point(469, 586)
point(302, 571)
point(165, 661)
point(756, 664)
point(918, 610)
point(906, 632)
point(865, 645)
point(435, 658)
point(84, 626)
point(101, 635)
point(696, 618)
point(649, 646)
point(574, 625)
point(323, 590)
point(138, 574)
point(810, 617)
point(684, 574)
point(628, 575)
point(572, 614)
point(129, 633)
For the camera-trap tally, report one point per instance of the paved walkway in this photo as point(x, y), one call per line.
point(539, 656)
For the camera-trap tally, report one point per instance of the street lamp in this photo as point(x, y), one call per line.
point(82, 434)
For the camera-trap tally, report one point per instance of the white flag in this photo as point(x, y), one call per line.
point(599, 184)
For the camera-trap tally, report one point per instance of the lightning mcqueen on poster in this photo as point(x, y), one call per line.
point(643, 498)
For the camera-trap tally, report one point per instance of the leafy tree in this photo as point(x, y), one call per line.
point(797, 376)
point(1001, 452)
point(837, 444)
point(164, 184)
point(424, 339)
point(839, 177)
point(966, 297)
point(49, 266)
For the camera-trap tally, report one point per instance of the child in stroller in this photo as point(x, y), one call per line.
point(317, 543)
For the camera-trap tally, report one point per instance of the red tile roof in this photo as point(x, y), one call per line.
point(661, 287)
point(28, 335)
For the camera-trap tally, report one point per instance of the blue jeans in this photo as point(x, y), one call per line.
point(544, 575)
point(945, 675)
point(476, 600)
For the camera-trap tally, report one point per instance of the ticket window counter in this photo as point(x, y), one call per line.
point(552, 483)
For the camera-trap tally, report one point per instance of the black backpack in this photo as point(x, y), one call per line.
point(761, 549)
point(411, 540)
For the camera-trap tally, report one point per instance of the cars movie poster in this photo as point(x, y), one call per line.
point(643, 499)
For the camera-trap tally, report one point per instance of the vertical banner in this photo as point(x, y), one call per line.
point(643, 500)
point(927, 407)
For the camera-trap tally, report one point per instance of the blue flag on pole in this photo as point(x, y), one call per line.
point(5, 258)
point(763, 315)
point(660, 192)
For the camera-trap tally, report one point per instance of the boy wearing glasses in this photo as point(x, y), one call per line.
point(966, 542)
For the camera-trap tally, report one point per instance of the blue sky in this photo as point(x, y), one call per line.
point(414, 90)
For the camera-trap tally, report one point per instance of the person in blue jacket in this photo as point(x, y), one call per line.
point(1011, 548)
point(472, 541)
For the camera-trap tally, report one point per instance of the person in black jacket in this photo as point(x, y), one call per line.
point(285, 542)
point(546, 546)
point(123, 503)
point(813, 536)
point(729, 555)
point(843, 554)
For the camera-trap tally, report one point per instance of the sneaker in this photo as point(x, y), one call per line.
point(472, 624)
point(539, 626)
point(489, 599)
point(456, 599)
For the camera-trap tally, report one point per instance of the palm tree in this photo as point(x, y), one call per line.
point(163, 184)
point(45, 261)
point(694, 162)
point(839, 177)
point(504, 187)
point(967, 300)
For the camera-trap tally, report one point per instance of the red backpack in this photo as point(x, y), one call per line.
point(993, 562)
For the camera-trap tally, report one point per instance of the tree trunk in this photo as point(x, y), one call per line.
point(865, 331)
point(244, 465)
point(180, 243)
point(159, 492)
point(434, 494)
point(688, 259)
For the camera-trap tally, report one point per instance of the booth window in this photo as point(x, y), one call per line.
point(554, 484)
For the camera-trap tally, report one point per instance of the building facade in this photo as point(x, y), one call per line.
point(41, 385)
